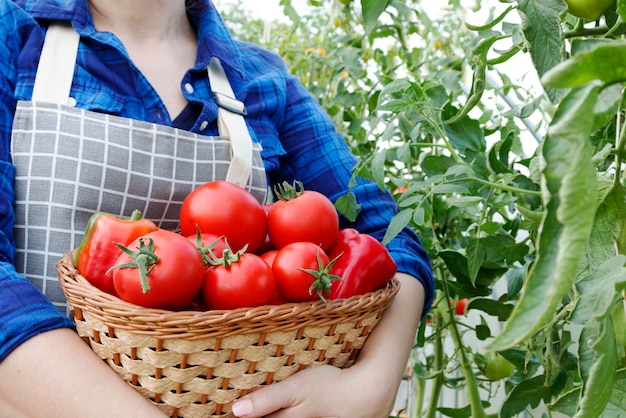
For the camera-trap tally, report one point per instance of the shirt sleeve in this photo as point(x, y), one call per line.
point(24, 310)
point(319, 157)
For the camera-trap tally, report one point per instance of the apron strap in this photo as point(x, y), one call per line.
point(58, 57)
point(53, 82)
point(230, 121)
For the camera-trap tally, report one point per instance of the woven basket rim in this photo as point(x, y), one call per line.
point(116, 313)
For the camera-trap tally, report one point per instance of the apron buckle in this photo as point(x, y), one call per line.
point(229, 103)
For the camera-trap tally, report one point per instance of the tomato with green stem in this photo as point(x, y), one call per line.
point(237, 280)
point(302, 272)
point(302, 216)
point(161, 270)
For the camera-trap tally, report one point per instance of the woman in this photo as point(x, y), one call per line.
point(146, 61)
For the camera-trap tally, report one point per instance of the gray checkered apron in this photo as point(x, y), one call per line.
point(71, 163)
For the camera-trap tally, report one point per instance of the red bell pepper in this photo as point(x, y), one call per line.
point(97, 251)
point(362, 262)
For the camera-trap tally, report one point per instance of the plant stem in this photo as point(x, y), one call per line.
point(504, 187)
point(420, 387)
point(438, 366)
point(621, 147)
point(473, 393)
point(599, 30)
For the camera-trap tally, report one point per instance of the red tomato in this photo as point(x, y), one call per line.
point(267, 243)
point(173, 280)
point(460, 306)
point(223, 208)
point(309, 216)
point(269, 256)
point(293, 283)
point(246, 282)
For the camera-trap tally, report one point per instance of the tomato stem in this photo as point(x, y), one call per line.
point(323, 279)
point(228, 256)
point(136, 215)
point(286, 191)
point(143, 260)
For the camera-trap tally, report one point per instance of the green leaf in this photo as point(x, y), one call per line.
point(466, 135)
point(541, 24)
point(527, 393)
point(597, 291)
point(446, 188)
point(378, 168)
point(372, 9)
point(621, 9)
point(475, 257)
point(597, 353)
point(437, 164)
point(397, 224)
point(492, 307)
point(605, 62)
point(348, 206)
point(601, 244)
point(464, 201)
point(569, 192)
point(567, 403)
point(616, 407)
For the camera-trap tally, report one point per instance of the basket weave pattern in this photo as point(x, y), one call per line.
point(196, 364)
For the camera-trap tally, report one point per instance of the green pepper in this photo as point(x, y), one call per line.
point(362, 263)
point(98, 251)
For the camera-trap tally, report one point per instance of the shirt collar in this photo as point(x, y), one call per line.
point(214, 38)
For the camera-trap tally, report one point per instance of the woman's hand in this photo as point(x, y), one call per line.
point(365, 390)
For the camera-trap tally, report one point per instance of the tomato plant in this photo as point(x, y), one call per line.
point(160, 269)
point(301, 270)
point(302, 215)
point(225, 209)
point(501, 129)
point(238, 280)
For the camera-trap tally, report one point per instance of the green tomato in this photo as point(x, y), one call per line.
point(494, 366)
point(588, 9)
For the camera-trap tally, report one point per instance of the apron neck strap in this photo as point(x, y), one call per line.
point(230, 123)
point(53, 80)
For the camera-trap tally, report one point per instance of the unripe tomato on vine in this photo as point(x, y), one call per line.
point(588, 9)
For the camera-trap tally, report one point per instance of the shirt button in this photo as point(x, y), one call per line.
point(189, 88)
point(203, 125)
point(71, 102)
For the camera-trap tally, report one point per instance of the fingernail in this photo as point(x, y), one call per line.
point(242, 407)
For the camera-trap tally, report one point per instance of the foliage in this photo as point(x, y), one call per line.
point(517, 193)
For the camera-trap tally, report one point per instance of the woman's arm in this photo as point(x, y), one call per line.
point(365, 390)
point(56, 374)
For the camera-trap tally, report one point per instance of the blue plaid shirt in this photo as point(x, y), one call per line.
point(298, 138)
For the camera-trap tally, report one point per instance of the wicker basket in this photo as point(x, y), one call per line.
point(196, 364)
